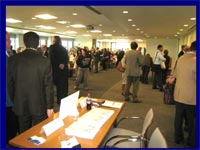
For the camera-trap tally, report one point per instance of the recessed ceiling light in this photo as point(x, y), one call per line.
point(113, 31)
point(181, 30)
point(125, 12)
point(133, 25)
point(77, 26)
point(138, 29)
point(185, 25)
point(107, 34)
point(71, 32)
point(74, 14)
point(11, 20)
point(62, 22)
point(130, 19)
point(178, 33)
point(100, 25)
point(96, 31)
point(46, 16)
point(67, 26)
point(175, 35)
point(46, 27)
point(193, 18)
point(141, 31)
point(33, 18)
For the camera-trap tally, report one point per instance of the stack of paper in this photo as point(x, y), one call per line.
point(112, 104)
point(90, 123)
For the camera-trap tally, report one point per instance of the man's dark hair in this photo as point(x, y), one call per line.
point(159, 46)
point(31, 40)
point(57, 39)
point(134, 45)
point(193, 46)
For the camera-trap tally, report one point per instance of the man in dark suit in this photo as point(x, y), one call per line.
point(11, 119)
point(30, 84)
point(59, 61)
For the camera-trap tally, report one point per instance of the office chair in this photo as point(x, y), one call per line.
point(157, 140)
point(117, 134)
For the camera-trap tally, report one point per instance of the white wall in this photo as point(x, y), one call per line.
point(172, 45)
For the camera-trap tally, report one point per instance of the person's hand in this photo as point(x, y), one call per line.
point(61, 66)
point(50, 112)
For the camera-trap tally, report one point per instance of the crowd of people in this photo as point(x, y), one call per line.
point(32, 74)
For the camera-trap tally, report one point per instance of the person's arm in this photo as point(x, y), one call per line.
point(161, 57)
point(48, 85)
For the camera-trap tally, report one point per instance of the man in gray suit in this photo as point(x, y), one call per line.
point(133, 62)
point(30, 84)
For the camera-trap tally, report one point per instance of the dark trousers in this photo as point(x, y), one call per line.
point(27, 121)
point(12, 125)
point(190, 111)
point(145, 73)
point(61, 88)
point(157, 80)
point(132, 80)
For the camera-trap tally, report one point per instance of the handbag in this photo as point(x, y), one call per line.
point(120, 68)
point(162, 65)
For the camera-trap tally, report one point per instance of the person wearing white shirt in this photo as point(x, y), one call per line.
point(157, 79)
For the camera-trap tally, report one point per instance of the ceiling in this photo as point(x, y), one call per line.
point(153, 21)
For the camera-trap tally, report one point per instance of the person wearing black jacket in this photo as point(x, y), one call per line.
point(30, 84)
point(83, 63)
point(59, 61)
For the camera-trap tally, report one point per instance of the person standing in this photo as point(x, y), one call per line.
point(133, 62)
point(146, 68)
point(165, 72)
point(157, 79)
point(83, 63)
point(12, 126)
point(59, 61)
point(185, 95)
point(30, 84)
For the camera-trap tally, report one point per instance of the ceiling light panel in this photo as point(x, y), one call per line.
point(125, 12)
point(11, 20)
point(46, 16)
point(45, 27)
point(78, 26)
point(62, 22)
point(107, 34)
point(96, 31)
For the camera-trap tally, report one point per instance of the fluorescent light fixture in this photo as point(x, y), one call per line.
point(74, 14)
point(185, 25)
point(46, 27)
point(130, 19)
point(96, 31)
point(125, 12)
point(85, 35)
point(62, 22)
point(133, 25)
point(107, 34)
point(46, 16)
point(139, 40)
point(11, 20)
point(77, 26)
point(71, 32)
point(193, 18)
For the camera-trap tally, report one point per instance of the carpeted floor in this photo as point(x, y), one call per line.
point(107, 84)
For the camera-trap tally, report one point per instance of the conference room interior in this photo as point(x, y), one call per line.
point(112, 27)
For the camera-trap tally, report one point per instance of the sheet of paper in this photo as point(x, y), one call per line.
point(90, 123)
point(68, 105)
point(112, 104)
point(52, 126)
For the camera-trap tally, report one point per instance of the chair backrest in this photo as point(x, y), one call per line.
point(157, 140)
point(147, 122)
